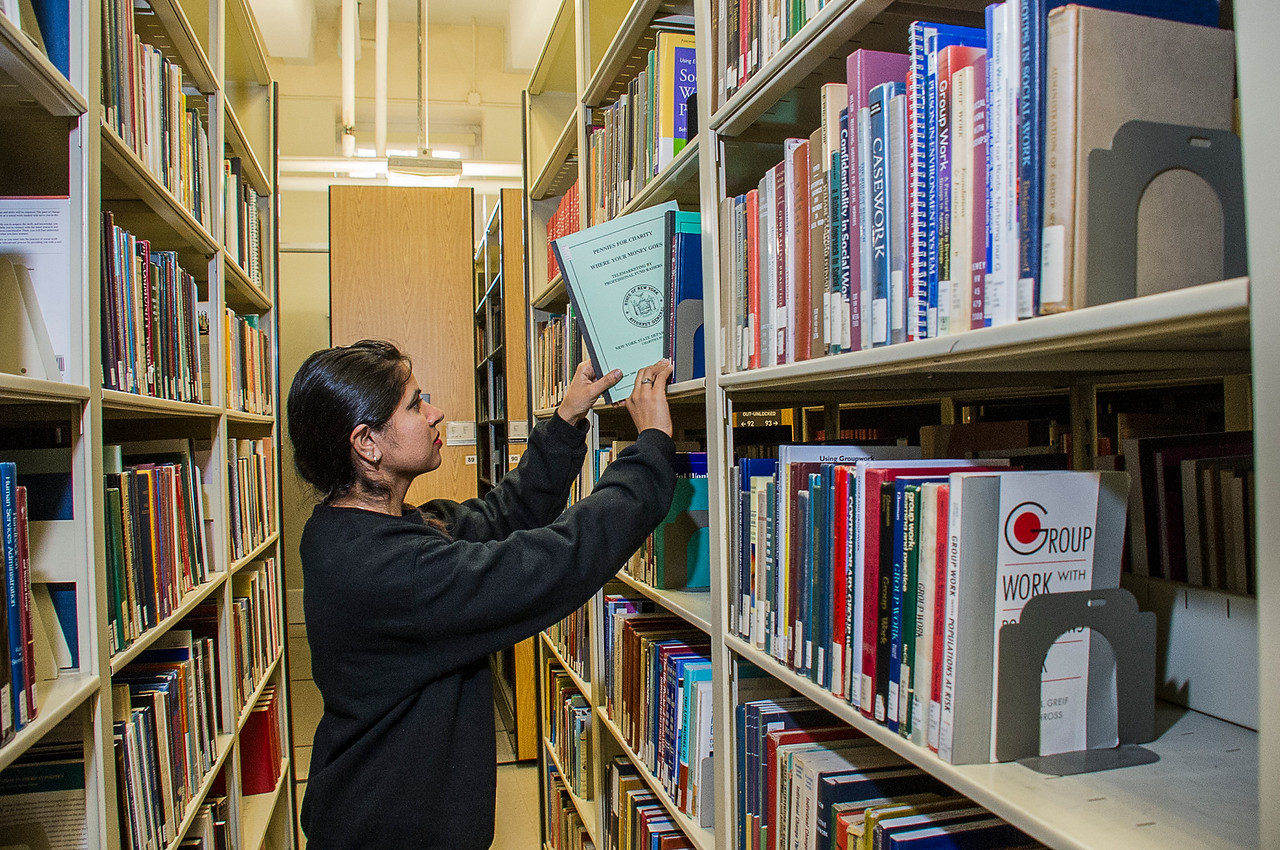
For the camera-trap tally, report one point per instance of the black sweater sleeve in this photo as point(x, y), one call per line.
point(531, 495)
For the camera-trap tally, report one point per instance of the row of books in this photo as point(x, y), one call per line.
point(852, 571)
point(557, 350)
point(18, 677)
point(244, 224)
point(565, 828)
point(635, 818)
point(261, 746)
point(1191, 508)
point(808, 782)
point(565, 220)
point(567, 717)
point(249, 374)
point(660, 698)
point(165, 734)
point(640, 134)
point(209, 828)
point(150, 342)
point(572, 639)
point(919, 207)
point(155, 533)
point(751, 32)
point(251, 477)
point(255, 620)
point(155, 111)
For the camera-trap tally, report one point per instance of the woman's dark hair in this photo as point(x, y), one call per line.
point(335, 390)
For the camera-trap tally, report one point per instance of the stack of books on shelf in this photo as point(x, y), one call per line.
point(934, 199)
point(165, 735)
point(809, 781)
point(155, 533)
point(635, 818)
point(572, 639)
point(661, 701)
point(251, 471)
point(558, 350)
point(563, 221)
point(244, 225)
point(880, 583)
point(209, 828)
point(261, 750)
point(565, 829)
point(155, 111)
point(568, 730)
point(150, 339)
point(641, 133)
point(249, 374)
point(1191, 506)
point(255, 611)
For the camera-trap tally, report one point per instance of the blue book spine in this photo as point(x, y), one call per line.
point(938, 37)
point(13, 609)
point(850, 339)
point(878, 212)
point(992, 153)
point(1031, 21)
point(55, 30)
point(917, 118)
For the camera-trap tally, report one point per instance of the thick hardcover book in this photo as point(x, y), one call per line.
point(1033, 79)
point(955, 164)
point(613, 274)
point(878, 211)
point(1105, 69)
point(864, 69)
point(784, 305)
point(797, 223)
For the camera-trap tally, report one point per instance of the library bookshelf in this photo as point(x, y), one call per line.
point(1212, 340)
point(203, 199)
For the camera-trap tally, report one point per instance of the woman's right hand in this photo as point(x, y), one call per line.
point(647, 403)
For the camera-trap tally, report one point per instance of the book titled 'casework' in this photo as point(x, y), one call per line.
point(614, 275)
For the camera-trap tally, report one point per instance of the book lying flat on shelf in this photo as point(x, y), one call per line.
point(614, 275)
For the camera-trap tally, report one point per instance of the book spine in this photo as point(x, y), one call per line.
point(862, 181)
point(897, 565)
point(946, 119)
point(1059, 160)
point(877, 213)
point(949, 666)
point(1031, 68)
point(819, 229)
point(12, 694)
point(997, 170)
point(898, 217)
point(917, 153)
point(753, 278)
point(850, 323)
point(783, 303)
point(978, 198)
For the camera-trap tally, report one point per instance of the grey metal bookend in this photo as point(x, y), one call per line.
point(1140, 152)
point(1112, 613)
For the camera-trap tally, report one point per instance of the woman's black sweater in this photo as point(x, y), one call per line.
point(401, 620)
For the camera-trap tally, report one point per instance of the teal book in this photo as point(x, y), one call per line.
point(614, 275)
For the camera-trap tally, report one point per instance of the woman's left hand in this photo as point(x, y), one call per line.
point(583, 391)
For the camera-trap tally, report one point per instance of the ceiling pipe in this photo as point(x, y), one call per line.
point(348, 77)
point(381, 28)
point(424, 132)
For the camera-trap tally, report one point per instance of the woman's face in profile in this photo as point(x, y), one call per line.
point(412, 442)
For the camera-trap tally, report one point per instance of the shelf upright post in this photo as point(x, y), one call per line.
point(1257, 29)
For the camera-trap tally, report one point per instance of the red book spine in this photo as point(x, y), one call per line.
point(780, 264)
point(840, 581)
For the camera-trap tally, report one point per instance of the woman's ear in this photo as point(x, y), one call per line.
point(364, 444)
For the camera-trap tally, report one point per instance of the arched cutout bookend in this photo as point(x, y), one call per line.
point(1112, 613)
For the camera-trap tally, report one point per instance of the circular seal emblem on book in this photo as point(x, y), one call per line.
point(642, 306)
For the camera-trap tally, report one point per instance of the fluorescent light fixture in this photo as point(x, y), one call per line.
point(491, 169)
point(446, 154)
point(424, 166)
